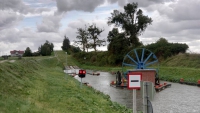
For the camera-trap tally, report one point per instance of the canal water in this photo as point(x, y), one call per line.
point(176, 99)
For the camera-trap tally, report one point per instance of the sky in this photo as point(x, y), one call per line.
point(29, 23)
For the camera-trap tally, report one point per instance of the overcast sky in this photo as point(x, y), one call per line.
point(29, 23)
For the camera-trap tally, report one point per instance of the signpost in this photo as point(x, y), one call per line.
point(134, 79)
point(81, 74)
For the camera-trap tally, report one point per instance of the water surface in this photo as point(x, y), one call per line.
point(177, 99)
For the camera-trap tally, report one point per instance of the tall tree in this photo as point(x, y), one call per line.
point(66, 44)
point(82, 38)
point(132, 21)
point(94, 33)
point(27, 52)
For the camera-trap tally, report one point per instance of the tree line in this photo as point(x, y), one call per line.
point(163, 49)
point(45, 49)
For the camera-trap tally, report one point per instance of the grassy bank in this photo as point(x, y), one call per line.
point(38, 85)
point(185, 66)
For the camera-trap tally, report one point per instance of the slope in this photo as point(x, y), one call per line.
point(38, 85)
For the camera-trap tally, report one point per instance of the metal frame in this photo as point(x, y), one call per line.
point(139, 62)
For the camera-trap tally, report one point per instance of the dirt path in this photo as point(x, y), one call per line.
point(7, 60)
point(12, 61)
point(3, 61)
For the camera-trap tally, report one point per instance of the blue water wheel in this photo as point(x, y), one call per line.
point(139, 58)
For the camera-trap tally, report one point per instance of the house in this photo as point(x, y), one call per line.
point(16, 53)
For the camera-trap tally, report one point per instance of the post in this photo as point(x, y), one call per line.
point(66, 66)
point(66, 59)
point(134, 101)
point(147, 96)
point(81, 82)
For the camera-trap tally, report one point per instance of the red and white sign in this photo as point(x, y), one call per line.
point(134, 80)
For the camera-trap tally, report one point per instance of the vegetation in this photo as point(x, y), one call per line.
point(186, 66)
point(89, 37)
point(38, 85)
point(82, 38)
point(132, 21)
point(92, 58)
point(118, 46)
point(66, 44)
point(162, 48)
point(69, 48)
point(27, 52)
point(46, 49)
point(94, 33)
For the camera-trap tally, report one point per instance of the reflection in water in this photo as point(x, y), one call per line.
point(177, 99)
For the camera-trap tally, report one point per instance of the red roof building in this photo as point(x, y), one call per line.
point(16, 53)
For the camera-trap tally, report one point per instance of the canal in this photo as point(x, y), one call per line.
point(176, 99)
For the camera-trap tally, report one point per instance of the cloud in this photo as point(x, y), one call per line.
point(175, 20)
point(80, 5)
point(9, 35)
point(49, 24)
point(141, 3)
point(182, 31)
point(20, 6)
point(182, 10)
point(15, 39)
point(9, 19)
point(15, 5)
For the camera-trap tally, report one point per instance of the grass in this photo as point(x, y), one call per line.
point(38, 85)
point(186, 66)
point(174, 74)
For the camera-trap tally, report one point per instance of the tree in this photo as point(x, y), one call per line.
point(162, 48)
point(66, 44)
point(132, 21)
point(82, 38)
point(115, 40)
point(118, 44)
point(27, 52)
point(94, 32)
point(75, 49)
point(46, 49)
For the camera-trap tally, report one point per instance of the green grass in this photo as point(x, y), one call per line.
point(174, 74)
point(39, 85)
point(183, 60)
point(186, 66)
